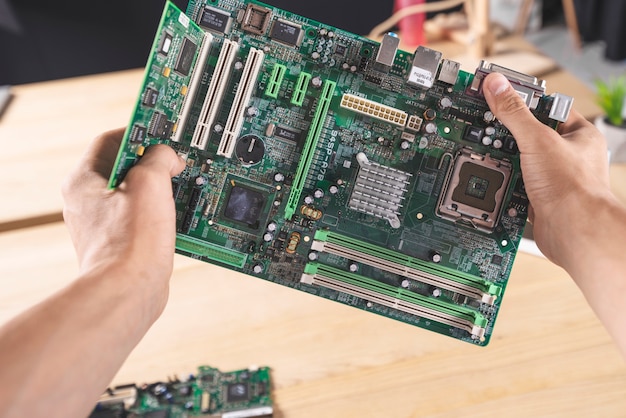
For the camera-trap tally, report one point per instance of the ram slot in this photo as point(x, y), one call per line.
point(242, 98)
point(397, 298)
point(194, 85)
point(214, 94)
point(211, 251)
point(407, 266)
point(306, 158)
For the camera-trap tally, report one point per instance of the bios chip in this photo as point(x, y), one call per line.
point(185, 57)
point(215, 20)
point(286, 32)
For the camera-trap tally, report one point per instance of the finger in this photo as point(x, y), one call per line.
point(512, 111)
point(163, 158)
point(574, 122)
point(102, 152)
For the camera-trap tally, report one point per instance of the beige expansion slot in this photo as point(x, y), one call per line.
point(214, 94)
point(376, 110)
point(242, 98)
point(194, 85)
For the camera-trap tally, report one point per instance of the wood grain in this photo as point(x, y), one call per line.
point(549, 355)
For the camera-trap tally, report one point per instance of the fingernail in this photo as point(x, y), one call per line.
point(498, 84)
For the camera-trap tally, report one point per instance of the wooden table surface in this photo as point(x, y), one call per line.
point(549, 355)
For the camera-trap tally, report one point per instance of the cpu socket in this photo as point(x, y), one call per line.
point(475, 189)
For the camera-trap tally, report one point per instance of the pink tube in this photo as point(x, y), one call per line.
point(412, 27)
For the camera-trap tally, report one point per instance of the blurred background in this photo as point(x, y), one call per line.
point(42, 40)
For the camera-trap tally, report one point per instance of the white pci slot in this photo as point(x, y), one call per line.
point(242, 98)
point(194, 84)
point(214, 94)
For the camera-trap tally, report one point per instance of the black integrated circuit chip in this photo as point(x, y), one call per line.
point(160, 127)
point(245, 205)
point(150, 97)
point(237, 392)
point(340, 49)
point(473, 134)
point(510, 145)
point(185, 57)
point(138, 134)
point(288, 134)
point(286, 32)
point(215, 20)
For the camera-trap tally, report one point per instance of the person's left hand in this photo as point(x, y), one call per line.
point(131, 229)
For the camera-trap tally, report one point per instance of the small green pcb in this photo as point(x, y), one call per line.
point(210, 393)
point(329, 163)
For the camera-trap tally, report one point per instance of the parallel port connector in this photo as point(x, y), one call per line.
point(375, 110)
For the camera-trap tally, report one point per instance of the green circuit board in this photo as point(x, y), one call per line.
point(209, 393)
point(327, 162)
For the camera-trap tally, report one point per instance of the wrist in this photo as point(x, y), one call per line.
point(128, 282)
point(586, 226)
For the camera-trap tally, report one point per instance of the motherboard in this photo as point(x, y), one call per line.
point(330, 163)
point(208, 393)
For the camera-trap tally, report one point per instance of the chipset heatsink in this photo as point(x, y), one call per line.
point(379, 190)
point(474, 190)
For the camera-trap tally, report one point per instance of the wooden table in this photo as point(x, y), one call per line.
point(549, 354)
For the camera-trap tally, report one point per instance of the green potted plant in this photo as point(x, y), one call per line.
point(611, 96)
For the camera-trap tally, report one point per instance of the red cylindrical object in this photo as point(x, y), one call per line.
point(411, 27)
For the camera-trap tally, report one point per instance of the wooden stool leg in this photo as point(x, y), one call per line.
point(572, 22)
point(523, 16)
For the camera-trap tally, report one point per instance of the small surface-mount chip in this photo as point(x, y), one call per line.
point(287, 133)
point(286, 32)
point(215, 20)
point(160, 127)
point(340, 49)
point(166, 43)
point(473, 134)
point(150, 97)
point(256, 19)
point(138, 134)
point(185, 57)
point(510, 145)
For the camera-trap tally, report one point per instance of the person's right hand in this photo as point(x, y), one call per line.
point(560, 168)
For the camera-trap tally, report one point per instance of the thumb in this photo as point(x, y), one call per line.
point(163, 159)
point(512, 111)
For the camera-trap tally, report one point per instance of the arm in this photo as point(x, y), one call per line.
point(59, 356)
point(578, 223)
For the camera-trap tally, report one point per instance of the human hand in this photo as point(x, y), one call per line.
point(131, 229)
point(560, 168)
